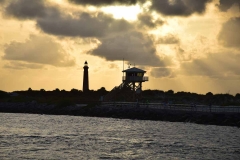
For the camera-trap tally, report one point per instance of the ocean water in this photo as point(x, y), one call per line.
point(31, 136)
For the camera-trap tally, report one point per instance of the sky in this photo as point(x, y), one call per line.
point(184, 45)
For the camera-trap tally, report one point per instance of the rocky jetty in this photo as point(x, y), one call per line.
point(124, 112)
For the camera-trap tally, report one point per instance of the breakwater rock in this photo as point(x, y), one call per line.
point(125, 112)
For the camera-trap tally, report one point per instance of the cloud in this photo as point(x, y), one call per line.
point(169, 39)
point(113, 66)
point(229, 35)
point(226, 4)
point(40, 50)
point(85, 25)
point(53, 21)
point(179, 7)
point(216, 65)
point(22, 65)
point(135, 47)
point(105, 2)
point(29, 9)
point(161, 72)
point(147, 19)
point(182, 55)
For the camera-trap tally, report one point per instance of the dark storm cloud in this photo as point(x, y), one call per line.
point(147, 19)
point(40, 50)
point(229, 35)
point(53, 21)
point(104, 2)
point(134, 46)
point(29, 9)
point(179, 7)
point(85, 25)
point(226, 4)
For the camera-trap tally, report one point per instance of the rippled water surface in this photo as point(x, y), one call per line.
point(28, 136)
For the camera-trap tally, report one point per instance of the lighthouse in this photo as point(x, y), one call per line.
point(85, 77)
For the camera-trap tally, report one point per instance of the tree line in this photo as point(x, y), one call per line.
point(147, 95)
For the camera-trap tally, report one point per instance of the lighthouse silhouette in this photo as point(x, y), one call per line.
point(85, 77)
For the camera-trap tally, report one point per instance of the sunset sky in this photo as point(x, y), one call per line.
point(184, 45)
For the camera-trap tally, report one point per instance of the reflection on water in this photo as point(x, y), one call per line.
point(31, 136)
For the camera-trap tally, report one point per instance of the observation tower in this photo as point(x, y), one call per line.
point(130, 89)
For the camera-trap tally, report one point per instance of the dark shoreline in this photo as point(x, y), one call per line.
point(221, 119)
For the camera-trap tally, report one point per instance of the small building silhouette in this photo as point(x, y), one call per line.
point(85, 77)
point(131, 87)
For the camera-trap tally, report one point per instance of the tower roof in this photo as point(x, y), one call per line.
point(134, 70)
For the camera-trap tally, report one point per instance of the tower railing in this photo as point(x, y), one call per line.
point(135, 78)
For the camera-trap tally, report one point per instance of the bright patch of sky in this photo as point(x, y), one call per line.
point(123, 12)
